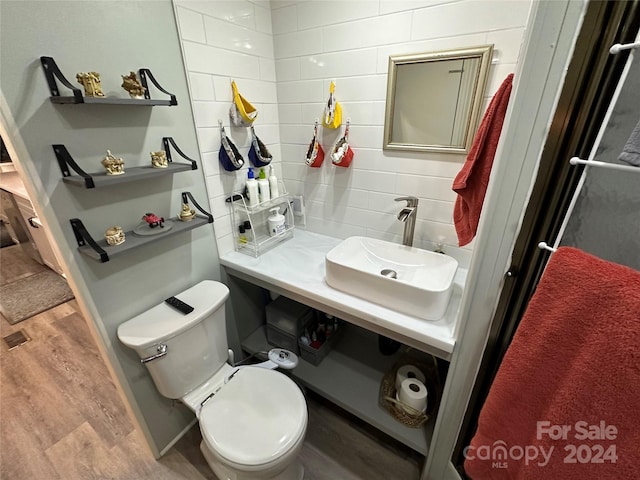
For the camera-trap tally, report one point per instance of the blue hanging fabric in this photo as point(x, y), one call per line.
point(229, 156)
point(258, 153)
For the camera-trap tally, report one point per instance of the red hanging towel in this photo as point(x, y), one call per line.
point(471, 182)
point(564, 403)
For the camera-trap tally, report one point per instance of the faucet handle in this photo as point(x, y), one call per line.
point(411, 201)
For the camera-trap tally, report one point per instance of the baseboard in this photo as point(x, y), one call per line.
point(178, 437)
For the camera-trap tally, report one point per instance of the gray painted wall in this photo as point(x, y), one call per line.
point(605, 220)
point(112, 38)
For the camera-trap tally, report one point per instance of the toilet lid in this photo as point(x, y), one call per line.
point(255, 418)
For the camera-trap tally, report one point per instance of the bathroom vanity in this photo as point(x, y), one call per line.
point(350, 374)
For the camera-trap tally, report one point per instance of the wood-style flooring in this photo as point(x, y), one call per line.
point(61, 418)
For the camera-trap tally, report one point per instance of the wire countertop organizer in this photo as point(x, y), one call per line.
point(590, 162)
point(259, 239)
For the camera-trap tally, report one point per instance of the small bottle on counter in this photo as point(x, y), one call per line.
point(248, 231)
point(252, 188)
point(263, 187)
point(273, 183)
point(242, 237)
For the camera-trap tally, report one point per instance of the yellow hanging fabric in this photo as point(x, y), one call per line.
point(332, 117)
point(242, 113)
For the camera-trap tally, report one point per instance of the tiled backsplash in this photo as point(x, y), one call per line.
point(283, 59)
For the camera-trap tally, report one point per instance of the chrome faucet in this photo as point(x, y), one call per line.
point(408, 216)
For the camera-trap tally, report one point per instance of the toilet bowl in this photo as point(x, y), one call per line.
point(253, 420)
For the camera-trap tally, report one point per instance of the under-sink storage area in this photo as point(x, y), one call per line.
point(353, 372)
point(350, 376)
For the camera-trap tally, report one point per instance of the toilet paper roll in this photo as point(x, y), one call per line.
point(408, 371)
point(413, 393)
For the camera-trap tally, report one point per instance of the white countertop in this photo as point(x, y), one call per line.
point(297, 267)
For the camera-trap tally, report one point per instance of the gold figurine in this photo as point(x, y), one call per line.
point(131, 84)
point(91, 83)
point(159, 159)
point(187, 213)
point(114, 235)
point(113, 165)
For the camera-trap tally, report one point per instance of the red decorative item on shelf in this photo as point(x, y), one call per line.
point(153, 220)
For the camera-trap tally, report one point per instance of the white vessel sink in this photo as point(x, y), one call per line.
point(423, 280)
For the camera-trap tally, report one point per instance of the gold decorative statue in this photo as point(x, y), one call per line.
point(114, 235)
point(91, 83)
point(131, 84)
point(187, 213)
point(113, 165)
point(159, 159)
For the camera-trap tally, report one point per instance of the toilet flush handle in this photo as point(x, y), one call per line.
point(162, 351)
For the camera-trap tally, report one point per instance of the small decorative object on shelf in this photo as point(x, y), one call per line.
point(159, 159)
point(91, 83)
point(131, 84)
point(153, 220)
point(187, 213)
point(114, 235)
point(113, 165)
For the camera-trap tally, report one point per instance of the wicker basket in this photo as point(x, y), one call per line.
point(404, 413)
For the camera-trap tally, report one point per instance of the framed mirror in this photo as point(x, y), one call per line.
point(434, 99)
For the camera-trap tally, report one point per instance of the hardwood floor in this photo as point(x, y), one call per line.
point(61, 418)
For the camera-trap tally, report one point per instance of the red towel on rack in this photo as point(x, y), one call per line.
point(574, 363)
point(471, 182)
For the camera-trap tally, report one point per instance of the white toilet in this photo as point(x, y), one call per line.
point(253, 420)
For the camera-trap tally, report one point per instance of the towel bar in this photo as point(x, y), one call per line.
point(544, 246)
point(617, 48)
point(613, 166)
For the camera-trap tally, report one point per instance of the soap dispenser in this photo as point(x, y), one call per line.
point(276, 222)
point(252, 188)
point(263, 187)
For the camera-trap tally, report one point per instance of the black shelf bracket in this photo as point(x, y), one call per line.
point(51, 72)
point(187, 196)
point(167, 142)
point(65, 160)
point(83, 238)
point(144, 73)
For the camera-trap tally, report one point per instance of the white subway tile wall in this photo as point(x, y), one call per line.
point(283, 56)
point(224, 41)
point(350, 42)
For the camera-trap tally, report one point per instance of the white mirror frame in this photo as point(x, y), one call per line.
point(483, 53)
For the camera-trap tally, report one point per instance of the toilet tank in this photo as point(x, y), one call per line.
point(196, 343)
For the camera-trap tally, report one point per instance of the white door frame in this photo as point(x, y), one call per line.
point(546, 52)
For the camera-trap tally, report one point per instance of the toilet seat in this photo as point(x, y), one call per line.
point(255, 419)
